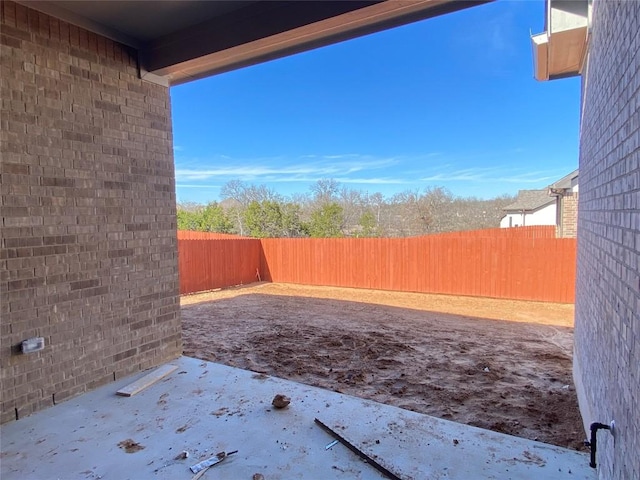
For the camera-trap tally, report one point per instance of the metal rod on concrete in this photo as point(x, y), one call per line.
point(358, 452)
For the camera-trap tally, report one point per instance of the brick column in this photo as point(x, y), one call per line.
point(569, 215)
point(89, 252)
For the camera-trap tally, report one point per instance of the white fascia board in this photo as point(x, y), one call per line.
point(540, 47)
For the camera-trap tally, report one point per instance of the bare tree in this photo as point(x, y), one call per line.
point(408, 213)
point(237, 196)
point(325, 190)
point(353, 206)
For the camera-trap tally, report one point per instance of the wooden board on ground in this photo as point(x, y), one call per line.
point(146, 381)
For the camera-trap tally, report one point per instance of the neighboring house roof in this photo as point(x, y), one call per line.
point(529, 200)
point(566, 182)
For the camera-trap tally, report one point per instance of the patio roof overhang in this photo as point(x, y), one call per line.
point(183, 40)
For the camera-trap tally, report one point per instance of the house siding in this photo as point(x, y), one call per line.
point(607, 326)
point(88, 254)
point(543, 216)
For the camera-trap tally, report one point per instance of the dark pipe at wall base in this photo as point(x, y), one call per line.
point(593, 443)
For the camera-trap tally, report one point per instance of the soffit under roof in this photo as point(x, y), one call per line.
point(137, 20)
point(183, 40)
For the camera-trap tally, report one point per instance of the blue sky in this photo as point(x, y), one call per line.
point(450, 101)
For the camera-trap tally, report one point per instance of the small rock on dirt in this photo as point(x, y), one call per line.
point(280, 401)
point(257, 476)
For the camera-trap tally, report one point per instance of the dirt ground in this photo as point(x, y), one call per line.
point(497, 364)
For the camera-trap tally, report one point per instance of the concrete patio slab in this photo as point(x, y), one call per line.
point(205, 408)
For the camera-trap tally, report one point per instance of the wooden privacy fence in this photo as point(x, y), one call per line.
point(217, 263)
point(517, 268)
point(527, 265)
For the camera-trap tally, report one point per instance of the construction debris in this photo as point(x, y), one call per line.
point(182, 455)
point(146, 381)
point(386, 472)
point(281, 401)
point(219, 457)
point(130, 446)
point(329, 445)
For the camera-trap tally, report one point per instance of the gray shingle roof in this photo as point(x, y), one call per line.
point(565, 182)
point(529, 200)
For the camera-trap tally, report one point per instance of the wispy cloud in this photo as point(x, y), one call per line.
point(303, 169)
point(184, 185)
point(492, 175)
point(345, 180)
point(389, 175)
point(375, 181)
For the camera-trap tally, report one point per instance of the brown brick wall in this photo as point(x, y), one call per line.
point(569, 215)
point(607, 331)
point(88, 256)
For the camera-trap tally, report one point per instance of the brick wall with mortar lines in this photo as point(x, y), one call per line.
point(88, 258)
point(569, 205)
point(607, 331)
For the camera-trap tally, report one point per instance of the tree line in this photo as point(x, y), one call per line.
point(332, 210)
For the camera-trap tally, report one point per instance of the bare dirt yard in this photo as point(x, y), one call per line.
point(497, 364)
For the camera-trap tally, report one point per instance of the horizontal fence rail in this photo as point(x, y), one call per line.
point(526, 264)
